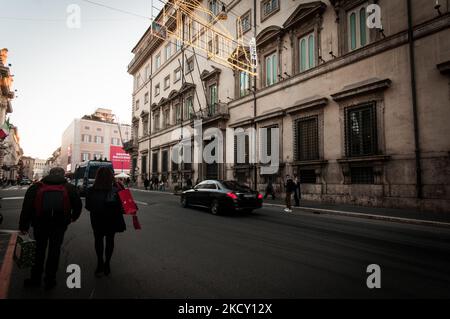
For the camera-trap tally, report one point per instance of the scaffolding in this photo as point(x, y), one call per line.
point(193, 25)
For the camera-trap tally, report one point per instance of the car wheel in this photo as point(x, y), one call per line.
point(215, 210)
point(184, 202)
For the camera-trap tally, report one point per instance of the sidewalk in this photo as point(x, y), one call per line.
point(388, 214)
point(7, 245)
point(408, 216)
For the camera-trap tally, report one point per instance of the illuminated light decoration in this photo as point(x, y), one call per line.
point(178, 19)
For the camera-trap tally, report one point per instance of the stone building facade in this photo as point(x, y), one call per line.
point(362, 111)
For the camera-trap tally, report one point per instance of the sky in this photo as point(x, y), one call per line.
point(63, 73)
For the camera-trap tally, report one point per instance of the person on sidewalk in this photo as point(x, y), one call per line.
point(49, 207)
point(146, 183)
point(103, 203)
point(189, 183)
point(269, 190)
point(297, 193)
point(290, 188)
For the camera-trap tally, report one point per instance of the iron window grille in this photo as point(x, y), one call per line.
point(307, 139)
point(308, 176)
point(361, 131)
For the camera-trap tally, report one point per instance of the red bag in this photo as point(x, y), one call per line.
point(129, 205)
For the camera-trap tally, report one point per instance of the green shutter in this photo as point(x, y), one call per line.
point(353, 31)
point(302, 55)
point(274, 68)
point(268, 70)
point(362, 26)
point(311, 48)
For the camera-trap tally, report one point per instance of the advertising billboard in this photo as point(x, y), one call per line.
point(119, 158)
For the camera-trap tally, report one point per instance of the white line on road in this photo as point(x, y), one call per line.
point(371, 216)
point(141, 203)
point(12, 198)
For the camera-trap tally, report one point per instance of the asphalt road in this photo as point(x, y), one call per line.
point(189, 253)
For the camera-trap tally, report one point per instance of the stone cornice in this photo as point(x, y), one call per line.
point(361, 88)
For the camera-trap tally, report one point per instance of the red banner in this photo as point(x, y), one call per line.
point(119, 158)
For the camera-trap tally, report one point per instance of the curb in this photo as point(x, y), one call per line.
point(369, 216)
point(5, 271)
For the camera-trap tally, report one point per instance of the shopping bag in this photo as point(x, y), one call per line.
point(128, 204)
point(25, 251)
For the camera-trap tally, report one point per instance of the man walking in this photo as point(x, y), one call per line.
point(269, 190)
point(298, 193)
point(49, 207)
point(146, 183)
point(290, 188)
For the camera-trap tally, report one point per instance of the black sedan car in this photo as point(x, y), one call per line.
point(222, 196)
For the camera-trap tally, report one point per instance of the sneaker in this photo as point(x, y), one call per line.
point(286, 210)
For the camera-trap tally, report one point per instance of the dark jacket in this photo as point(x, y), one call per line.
point(290, 186)
point(106, 211)
point(28, 215)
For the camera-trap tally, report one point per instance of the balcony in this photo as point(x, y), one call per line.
point(130, 146)
point(216, 111)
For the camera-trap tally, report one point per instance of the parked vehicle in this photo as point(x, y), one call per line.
point(222, 196)
point(85, 172)
point(25, 181)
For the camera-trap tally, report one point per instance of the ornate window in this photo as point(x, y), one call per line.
point(361, 131)
point(271, 67)
point(268, 8)
point(307, 139)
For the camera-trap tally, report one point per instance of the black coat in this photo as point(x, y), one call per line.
point(106, 211)
point(28, 214)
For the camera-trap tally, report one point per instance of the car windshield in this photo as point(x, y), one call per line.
point(93, 170)
point(236, 186)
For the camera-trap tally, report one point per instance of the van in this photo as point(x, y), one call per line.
point(85, 172)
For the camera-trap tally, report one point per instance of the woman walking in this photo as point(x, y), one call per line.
point(103, 203)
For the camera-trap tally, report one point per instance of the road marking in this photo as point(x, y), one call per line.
point(370, 216)
point(151, 192)
point(141, 203)
point(5, 272)
point(12, 198)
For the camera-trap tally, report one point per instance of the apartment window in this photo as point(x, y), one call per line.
point(155, 163)
point(307, 52)
point(271, 69)
point(86, 138)
point(145, 126)
point(158, 61)
point(147, 72)
point(308, 176)
point(166, 82)
point(114, 141)
point(178, 45)
point(307, 139)
point(168, 50)
point(146, 98)
point(213, 99)
point(269, 7)
point(165, 161)
point(99, 129)
point(157, 89)
point(98, 156)
point(144, 164)
point(157, 121)
point(216, 44)
point(361, 131)
point(166, 117)
point(99, 139)
point(85, 157)
point(357, 27)
point(269, 139)
point(177, 75)
point(244, 83)
point(137, 104)
point(189, 108)
point(362, 175)
point(86, 127)
point(246, 22)
point(190, 65)
point(214, 7)
point(178, 113)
